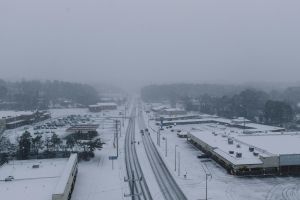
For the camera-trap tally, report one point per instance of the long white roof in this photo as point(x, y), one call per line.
point(29, 183)
point(280, 144)
point(219, 143)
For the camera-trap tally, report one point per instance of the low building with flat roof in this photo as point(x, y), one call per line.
point(83, 128)
point(99, 107)
point(47, 179)
point(173, 111)
point(17, 119)
point(259, 154)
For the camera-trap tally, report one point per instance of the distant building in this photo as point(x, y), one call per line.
point(173, 111)
point(83, 128)
point(240, 121)
point(83, 131)
point(12, 122)
point(158, 109)
point(163, 110)
point(99, 107)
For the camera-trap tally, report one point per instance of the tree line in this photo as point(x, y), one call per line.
point(252, 104)
point(269, 107)
point(28, 95)
point(37, 146)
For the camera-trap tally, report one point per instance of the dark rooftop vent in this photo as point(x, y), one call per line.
point(238, 155)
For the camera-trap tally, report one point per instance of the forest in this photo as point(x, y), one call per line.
point(29, 95)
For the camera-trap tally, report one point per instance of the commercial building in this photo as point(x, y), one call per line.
point(173, 111)
point(27, 118)
point(48, 179)
point(99, 107)
point(83, 128)
point(255, 154)
point(83, 131)
point(163, 110)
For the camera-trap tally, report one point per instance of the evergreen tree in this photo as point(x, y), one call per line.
point(24, 145)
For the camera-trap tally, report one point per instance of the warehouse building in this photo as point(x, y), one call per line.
point(99, 107)
point(47, 179)
point(257, 154)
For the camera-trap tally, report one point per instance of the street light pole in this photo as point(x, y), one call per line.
point(158, 137)
point(178, 163)
point(166, 145)
point(175, 155)
point(206, 176)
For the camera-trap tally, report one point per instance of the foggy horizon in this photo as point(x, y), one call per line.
point(149, 100)
point(132, 43)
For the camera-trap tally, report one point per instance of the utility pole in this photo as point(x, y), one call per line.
point(125, 113)
point(124, 116)
point(120, 128)
point(158, 137)
point(132, 181)
point(166, 145)
point(117, 136)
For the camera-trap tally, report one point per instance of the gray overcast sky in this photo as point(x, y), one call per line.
point(156, 41)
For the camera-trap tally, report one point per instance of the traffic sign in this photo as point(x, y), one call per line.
point(113, 157)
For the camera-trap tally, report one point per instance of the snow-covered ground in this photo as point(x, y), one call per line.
point(221, 186)
point(96, 179)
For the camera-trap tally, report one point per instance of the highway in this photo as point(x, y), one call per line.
point(137, 183)
point(165, 180)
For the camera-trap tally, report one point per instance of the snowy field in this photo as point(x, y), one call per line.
point(221, 186)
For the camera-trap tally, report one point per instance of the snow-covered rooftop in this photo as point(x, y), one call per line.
point(219, 143)
point(31, 183)
point(60, 187)
point(280, 144)
point(11, 113)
